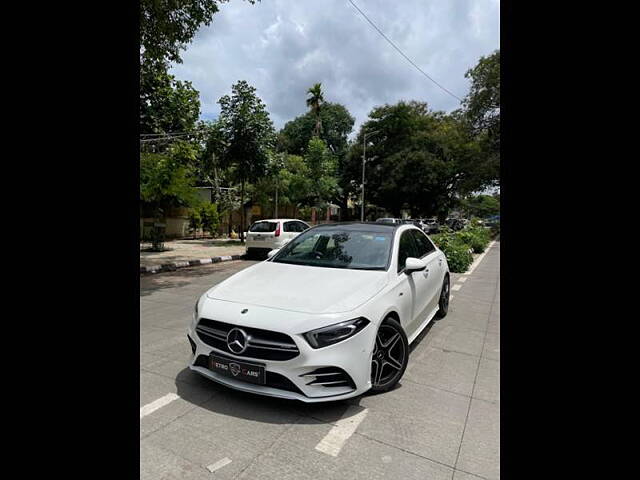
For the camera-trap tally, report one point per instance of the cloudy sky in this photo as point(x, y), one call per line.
point(282, 47)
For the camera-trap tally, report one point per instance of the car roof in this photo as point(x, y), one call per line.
point(369, 226)
point(280, 220)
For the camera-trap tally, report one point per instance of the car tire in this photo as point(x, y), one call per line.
point(390, 356)
point(443, 302)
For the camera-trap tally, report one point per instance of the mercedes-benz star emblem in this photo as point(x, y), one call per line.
point(235, 369)
point(237, 340)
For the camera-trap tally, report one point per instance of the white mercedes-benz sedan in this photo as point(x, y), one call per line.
point(329, 316)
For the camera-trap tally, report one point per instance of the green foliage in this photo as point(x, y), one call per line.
point(165, 182)
point(246, 132)
point(337, 124)
point(481, 205)
point(166, 104)
point(210, 217)
point(456, 251)
point(195, 221)
point(322, 169)
point(456, 245)
point(418, 159)
point(476, 237)
point(167, 26)
point(482, 107)
point(315, 99)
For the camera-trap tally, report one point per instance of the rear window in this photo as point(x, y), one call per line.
point(262, 227)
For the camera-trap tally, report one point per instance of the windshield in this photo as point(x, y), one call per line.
point(337, 248)
point(262, 227)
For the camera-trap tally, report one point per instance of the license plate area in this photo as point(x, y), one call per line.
point(245, 371)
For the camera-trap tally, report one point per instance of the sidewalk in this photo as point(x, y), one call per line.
point(460, 357)
point(186, 252)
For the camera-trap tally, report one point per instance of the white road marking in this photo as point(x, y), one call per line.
point(456, 287)
point(219, 464)
point(462, 279)
point(333, 441)
point(156, 404)
point(479, 259)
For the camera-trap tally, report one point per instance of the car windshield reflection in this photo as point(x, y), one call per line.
point(335, 248)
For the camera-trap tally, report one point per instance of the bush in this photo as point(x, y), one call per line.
point(195, 221)
point(456, 251)
point(476, 237)
point(210, 218)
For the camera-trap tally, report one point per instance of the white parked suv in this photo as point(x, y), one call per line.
point(266, 235)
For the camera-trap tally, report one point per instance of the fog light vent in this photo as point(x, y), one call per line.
point(329, 377)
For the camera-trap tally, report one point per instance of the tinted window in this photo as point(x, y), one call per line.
point(262, 227)
point(337, 248)
point(291, 227)
point(406, 249)
point(302, 226)
point(423, 244)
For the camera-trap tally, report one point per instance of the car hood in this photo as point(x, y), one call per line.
point(300, 288)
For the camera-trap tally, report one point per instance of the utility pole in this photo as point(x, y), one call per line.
point(364, 160)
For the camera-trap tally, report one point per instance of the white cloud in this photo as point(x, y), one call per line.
point(282, 47)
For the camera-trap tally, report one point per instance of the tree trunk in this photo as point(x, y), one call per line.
point(241, 232)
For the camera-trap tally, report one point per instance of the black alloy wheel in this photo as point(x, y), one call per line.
point(390, 356)
point(443, 303)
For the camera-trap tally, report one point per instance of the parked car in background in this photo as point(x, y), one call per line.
point(391, 221)
point(431, 225)
point(266, 235)
point(455, 223)
point(413, 221)
point(492, 221)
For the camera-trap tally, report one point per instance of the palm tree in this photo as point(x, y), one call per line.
point(314, 100)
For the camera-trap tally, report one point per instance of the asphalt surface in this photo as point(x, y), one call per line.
point(441, 422)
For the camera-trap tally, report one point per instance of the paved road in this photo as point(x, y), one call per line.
point(442, 422)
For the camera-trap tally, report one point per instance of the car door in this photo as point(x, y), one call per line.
point(433, 273)
point(290, 231)
point(415, 281)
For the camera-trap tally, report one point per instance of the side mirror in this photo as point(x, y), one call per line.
point(414, 265)
point(276, 250)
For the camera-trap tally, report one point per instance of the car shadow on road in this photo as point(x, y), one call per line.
point(263, 409)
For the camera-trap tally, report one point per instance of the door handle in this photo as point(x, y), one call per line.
point(426, 272)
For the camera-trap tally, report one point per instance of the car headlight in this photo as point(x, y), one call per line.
point(326, 336)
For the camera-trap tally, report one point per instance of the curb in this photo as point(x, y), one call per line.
point(173, 266)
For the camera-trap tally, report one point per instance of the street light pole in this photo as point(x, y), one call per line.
point(364, 160)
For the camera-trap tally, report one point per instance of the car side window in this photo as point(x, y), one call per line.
point(290, 227)
point(423, 244)
point(302, 226)
point(406, 249)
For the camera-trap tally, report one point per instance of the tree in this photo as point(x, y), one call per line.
point(210, 217)
point(247, 135)
point(165, 182)
point(315, 99)
point(482, 106)
point(322, 170)
point(481, 205)
point(166, 104)
point(420, 159)
point(167, 26)
point(337, 124)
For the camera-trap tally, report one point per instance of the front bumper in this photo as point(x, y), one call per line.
point(353, 356)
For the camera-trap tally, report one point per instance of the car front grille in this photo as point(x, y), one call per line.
point(273, 379)
point(262, 344)
point(330, 377)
